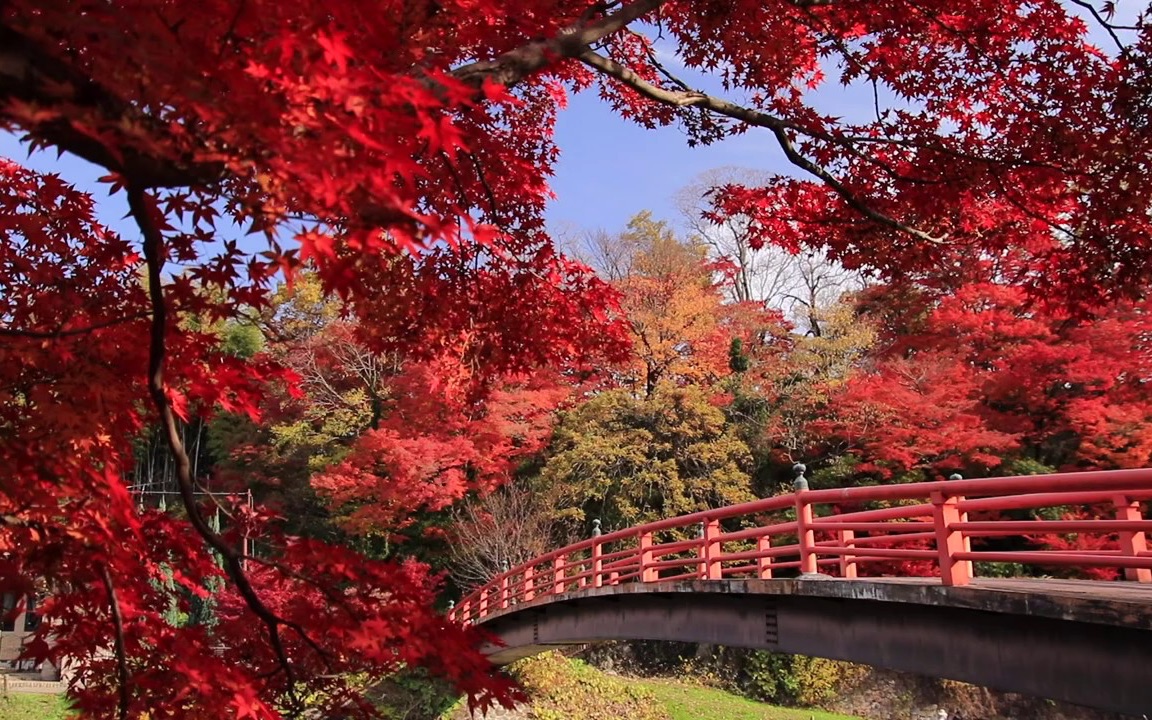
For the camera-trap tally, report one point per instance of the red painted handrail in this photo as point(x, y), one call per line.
point(933, 514)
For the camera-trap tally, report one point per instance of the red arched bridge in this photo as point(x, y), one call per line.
point(812, 573)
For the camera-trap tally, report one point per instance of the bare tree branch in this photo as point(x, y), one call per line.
point(504, 529)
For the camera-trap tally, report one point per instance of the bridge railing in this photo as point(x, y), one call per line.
point(932, 524)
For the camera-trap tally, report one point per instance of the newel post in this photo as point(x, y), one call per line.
point(805, 535)
point(647, 573)
point(1132, 544)
point(504, 594)
point(597, 554)
point(949, 540)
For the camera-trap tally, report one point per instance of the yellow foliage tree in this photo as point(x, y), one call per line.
point(628, 460)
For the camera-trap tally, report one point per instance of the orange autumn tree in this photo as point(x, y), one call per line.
point(672, 300)
point(405, 147)
point(670, 306)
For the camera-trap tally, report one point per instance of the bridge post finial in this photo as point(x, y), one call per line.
point(596, 527)
point(955, 476)
point(801, 482)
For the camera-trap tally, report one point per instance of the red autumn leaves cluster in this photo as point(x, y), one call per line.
point(982, 375)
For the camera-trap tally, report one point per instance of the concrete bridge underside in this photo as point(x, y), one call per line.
point(1087, 643)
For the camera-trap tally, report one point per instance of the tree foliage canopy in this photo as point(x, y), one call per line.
point(403, 150)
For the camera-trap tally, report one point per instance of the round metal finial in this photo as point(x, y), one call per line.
point(700, 530)
point(801, 482)
point(596, 527)
point(955, 476)
point(451, 604)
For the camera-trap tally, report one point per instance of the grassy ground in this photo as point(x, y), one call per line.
point(683, 702)
point(690, 702)
point(21, 706)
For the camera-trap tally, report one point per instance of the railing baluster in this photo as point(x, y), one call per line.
point(1132, 543)
point(483, 602)
point(847, 562)
point(597, 567)
point(945, 513)
point(647, 574)
point(702, 551)
point(764, 563)
point(710, 551)
point(558, 583)
point(529, 583)
point(969, 566)
point(504, 591)
point(597, 564)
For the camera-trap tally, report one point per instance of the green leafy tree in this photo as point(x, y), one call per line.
point(627, 460)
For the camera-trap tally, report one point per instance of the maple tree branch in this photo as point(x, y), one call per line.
point(233, 559)
point(515, 65)
point(778, 127)
point(121, 651)
point(332, 596)
point(491, 196)
point(32, 77)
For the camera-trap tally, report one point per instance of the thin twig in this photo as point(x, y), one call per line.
point(1108, 27)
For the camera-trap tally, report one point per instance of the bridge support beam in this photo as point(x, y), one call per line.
point(895, 626)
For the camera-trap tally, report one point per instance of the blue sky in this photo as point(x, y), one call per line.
point(610, 169)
